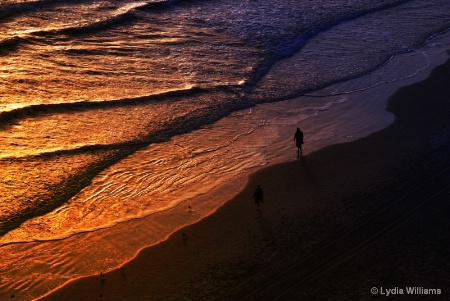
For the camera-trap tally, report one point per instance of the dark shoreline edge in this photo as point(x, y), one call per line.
point(350, 178)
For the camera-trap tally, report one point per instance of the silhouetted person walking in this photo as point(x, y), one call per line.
point(258, 196)
point(298, 138)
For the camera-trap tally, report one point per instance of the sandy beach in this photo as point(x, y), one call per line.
point(354, 221)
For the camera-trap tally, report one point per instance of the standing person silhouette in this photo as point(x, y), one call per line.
point(298, 138)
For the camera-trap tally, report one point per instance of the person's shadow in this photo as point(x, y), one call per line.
point(266, 229)
point(308, 172)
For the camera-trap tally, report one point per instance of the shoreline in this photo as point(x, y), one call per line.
point(231, 252)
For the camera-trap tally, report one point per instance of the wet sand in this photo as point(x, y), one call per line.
point(335, 224)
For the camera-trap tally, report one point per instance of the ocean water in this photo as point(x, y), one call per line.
point(114, 111)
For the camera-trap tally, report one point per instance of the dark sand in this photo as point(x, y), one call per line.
point(334, 225)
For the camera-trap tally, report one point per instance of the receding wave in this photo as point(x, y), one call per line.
point(45, 109)
point(119, 16)
point(113, 20)
point(193, 120)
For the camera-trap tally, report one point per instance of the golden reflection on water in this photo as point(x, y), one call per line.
point(151, 180)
